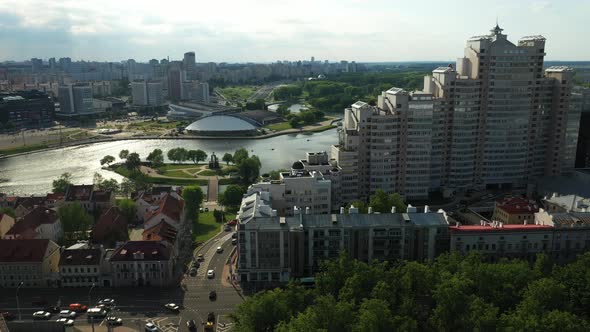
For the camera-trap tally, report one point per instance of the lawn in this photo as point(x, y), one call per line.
point(279, 126)
point(206, 227)
point(21, 149)
point(169, 167)
point(238, 93)
point(207, 172)
point(166, 181)
point(153, 125)
point(180, 174)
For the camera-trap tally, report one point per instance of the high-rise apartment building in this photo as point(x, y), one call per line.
point(147, 93)
point(75, 99)
point(189, 61)
point(496, 120)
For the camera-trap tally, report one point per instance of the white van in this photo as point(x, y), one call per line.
point(96, 313)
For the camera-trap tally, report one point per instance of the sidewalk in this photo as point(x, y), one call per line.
point(231, 280)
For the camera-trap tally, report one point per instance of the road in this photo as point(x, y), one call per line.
point(137, 306)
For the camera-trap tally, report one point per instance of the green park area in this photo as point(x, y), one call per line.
point(238, 93)
point(151, 126)
point(22, 149)
point(206, 227)
point(279, 126)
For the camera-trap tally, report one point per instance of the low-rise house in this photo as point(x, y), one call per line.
point(566, 203)
point(169, 210)
point(40, 223)
point(32, 262)
point(25, 205)
point(54, 200)
point(515, 210)
point(571, 233)
point(6, 223)
point(81, 194)
point(496, 240)
point(149, 200)
point(80, 267)
point(102, 200)
point(110, 228)
point(143, 263)
point(161, 232)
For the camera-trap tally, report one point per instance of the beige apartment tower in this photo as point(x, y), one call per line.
point(496, 119)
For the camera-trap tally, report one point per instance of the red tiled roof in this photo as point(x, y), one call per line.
point(142, 251)
point(169, 206)
point(504, 228)
point(517, 205)
point(110, 222)
point(56, 196)
point(30, 202)
point(159, 232)
point(79, 192)
point(28, 224)
point(23, 250)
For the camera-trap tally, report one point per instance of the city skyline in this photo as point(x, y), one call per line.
point(266, 31)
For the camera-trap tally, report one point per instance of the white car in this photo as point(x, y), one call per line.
point(67, 314)
point(151, 327)
point(66, 321)
point(41, 315)
point(210, 274)
point(219, 250)
point(112, 320)
point(172, 306)
point(107, 302)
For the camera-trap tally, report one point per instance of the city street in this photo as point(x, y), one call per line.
point(137, 306)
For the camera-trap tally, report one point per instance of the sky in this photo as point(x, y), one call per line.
point(271, 30)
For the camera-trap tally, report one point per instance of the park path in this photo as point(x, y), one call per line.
point(212, 189)
point(153, 173)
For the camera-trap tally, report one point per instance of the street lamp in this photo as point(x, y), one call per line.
point(17, 304)
point(89, 304)
point(89, 292)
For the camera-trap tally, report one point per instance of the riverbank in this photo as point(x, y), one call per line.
point(41, 148)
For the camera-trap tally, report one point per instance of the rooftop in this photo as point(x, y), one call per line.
point(79, 192)
point(26, 227)
point(159, 232)
point(30, 250)
point(142, 251)
point(80, 257)
point(558, 69)
point(220, 123)
point(517, 205)
point(571, 218)
point(169, 206)
point(501, 228)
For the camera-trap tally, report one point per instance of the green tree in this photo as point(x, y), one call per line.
point(382, 202)
point(127, 209)
point(111, 185)
point(123, 154)
point(228, 158)
point(232, 197)
point(74, 219)
point(240, 155)
point(156, 158)
point(178, 154)
point(133, 162)
point(249, 170)
point(196, 155)
point(8, 211)
point(193, 198)
point(294, 122)
point(61, 184)
point(374, 315)
point(108, 159)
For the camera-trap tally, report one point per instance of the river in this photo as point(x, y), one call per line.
point(34, 173)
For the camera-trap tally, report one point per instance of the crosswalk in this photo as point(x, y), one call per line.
point(166, 324)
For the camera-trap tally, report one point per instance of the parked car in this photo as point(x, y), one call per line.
point(234, 235)
point(66, 321)
point(210, 274)
point(233, 222)
point(151, 327)
point(107, 302)
point(227, 228)
point(172, 307)
point(200, 258)
point(77, 307)
point(191, 325)
point(41, 315)
point(193, 272)
point(212, 295)
point(234, 241)
point(53, 309)
point(219, 250)
point(67, 314)
point(114, 321)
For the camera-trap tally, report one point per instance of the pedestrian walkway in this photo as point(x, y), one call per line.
point(212, 188)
